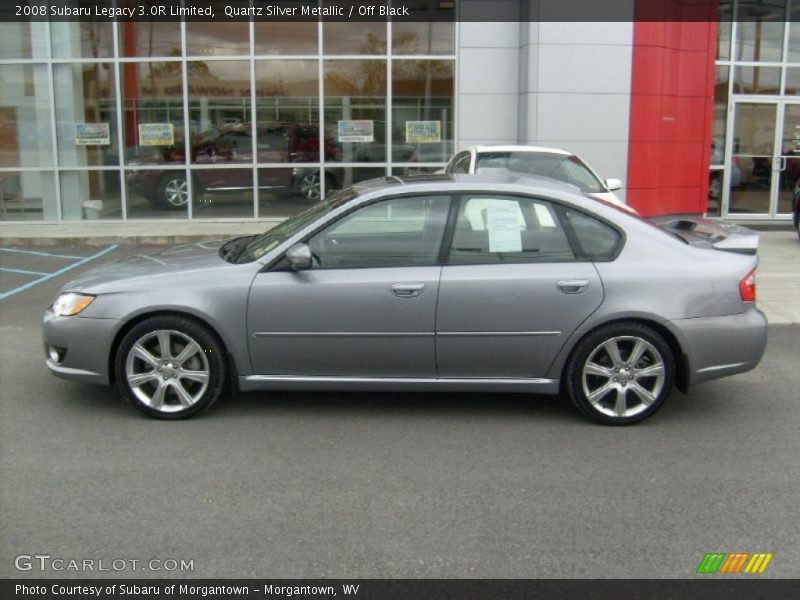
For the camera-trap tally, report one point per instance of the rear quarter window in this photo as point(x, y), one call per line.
point(598, 241)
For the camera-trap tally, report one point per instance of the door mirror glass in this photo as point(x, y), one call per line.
point(613, 184)
point(299, 257)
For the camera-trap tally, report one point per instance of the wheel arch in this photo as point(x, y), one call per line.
point(670, 337)
point(232, 371)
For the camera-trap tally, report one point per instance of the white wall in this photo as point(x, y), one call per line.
point(548, 83)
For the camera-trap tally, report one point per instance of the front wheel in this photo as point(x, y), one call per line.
point(172, 191)
point(170, 367)
point(620, 374)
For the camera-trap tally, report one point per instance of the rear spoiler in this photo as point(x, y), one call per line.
point(708, 233)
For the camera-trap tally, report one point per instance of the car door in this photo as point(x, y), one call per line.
point(512, 289)
point(367, 306)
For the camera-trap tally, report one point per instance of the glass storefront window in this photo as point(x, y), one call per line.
point(355, 110)
point(720, 122)
point(222, 193)
point(157, 193)
point(205, 38)
point(86, 114)
point(422, 114)
point(219, 112)
point(714, 193)
point(285, 38)
point(82, 39)
point(759, 31)
point(89, 195)
point(354, 38)
point(152, 94)
point(423, 38)
point(28, 196)
point(22, 40)
point(792, 81)
point(287, 111)
point(149, 38)
point(25, 133)
point(724, 25)
point(284, 192)
point(757, 80)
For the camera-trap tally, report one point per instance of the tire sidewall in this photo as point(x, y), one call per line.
point(200, 334)
point(573, 373)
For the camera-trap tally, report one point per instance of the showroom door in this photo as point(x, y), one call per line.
point(764, 159)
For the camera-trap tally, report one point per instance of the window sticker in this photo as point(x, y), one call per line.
point(356, 131)
point(502, 223)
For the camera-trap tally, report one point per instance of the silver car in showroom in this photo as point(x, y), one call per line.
point(451, 283)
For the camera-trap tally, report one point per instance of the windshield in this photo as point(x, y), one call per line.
point(269, 240)
point(561, 167)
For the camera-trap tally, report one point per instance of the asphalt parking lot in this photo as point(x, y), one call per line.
point(386, 485)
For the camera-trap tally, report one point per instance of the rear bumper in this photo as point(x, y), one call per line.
point(721, 346)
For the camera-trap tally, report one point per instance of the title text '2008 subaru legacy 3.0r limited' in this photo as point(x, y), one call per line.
point(442, 282)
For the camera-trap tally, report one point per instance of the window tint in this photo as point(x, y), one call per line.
point(597, 240)
point(393, 233)
point(496, 229)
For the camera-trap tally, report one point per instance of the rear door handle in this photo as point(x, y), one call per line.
point(572, 286)
point(408, 290)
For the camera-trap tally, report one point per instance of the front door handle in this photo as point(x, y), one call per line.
point(572, 286)
point(408, 290)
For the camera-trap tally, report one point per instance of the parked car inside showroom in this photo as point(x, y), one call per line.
point(390, 285)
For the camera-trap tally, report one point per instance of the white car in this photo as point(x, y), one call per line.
point(553, 163)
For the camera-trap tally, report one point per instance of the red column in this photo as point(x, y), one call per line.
point(672, 94)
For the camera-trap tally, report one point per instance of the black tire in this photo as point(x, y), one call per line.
point(171, 191)
point(622, 378)
point(167, 374)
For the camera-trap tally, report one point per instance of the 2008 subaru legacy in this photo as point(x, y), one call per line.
point(432, 283)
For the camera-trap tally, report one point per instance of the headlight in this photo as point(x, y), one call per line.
point(70, 304)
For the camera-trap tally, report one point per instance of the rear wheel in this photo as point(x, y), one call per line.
point(620, 374)
point(170, 367)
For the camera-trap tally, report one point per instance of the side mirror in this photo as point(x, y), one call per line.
point(613, 184)
point(299, 257)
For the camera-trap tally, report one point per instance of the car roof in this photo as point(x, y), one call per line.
point(542, 149)
point(463, 181)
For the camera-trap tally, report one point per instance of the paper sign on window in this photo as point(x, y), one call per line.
point(423, 132)
point(356, 131)
point(92, 134)
point(502, 223)
point(156, 134)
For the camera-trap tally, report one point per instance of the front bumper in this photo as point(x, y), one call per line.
point(720, 346)
point(86, 344)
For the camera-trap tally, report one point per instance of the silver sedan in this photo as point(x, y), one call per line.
point(453, 283)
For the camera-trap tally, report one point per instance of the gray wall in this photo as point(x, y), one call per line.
point(550, 84)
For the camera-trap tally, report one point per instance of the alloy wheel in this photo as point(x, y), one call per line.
point(167, 370)
point(310, 186)
point(176, 192)
point(623, 376)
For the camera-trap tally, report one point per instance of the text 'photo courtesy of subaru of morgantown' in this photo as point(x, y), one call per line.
point(498, 282)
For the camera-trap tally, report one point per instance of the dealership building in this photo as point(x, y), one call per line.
point(234, 120)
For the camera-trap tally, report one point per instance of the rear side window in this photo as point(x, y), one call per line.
point(507, 229)
point(597, 240)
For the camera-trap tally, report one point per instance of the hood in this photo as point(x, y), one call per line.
point(136, 272)
point(707, 233)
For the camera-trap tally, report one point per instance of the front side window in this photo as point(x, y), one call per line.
point(507, 229)
point(401, 232)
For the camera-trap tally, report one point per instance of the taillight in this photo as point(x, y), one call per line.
point(747, 287)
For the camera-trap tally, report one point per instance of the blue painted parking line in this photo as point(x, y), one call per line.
point(39, 253)
point(23, 271)
point(50, 276)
